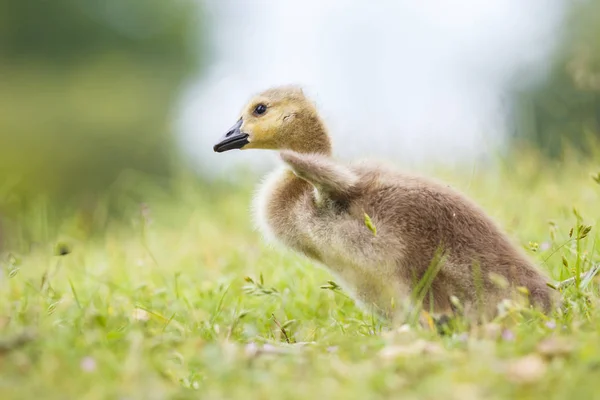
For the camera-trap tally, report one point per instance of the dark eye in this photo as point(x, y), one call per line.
point(260, 109)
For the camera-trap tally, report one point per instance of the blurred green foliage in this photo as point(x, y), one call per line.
point(86, 92)
point(564, 109)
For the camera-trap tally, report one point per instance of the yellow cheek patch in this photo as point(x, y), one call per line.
point(262, 133)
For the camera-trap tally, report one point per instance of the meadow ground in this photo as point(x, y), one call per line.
point(185, 301)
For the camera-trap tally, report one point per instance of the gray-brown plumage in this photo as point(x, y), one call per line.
point(316, 206)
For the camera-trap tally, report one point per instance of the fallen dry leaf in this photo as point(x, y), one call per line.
point(528, 369)
point(416, 348)
point(404, 334)
point(491, 331)
point(254, 350)
point(555, 347)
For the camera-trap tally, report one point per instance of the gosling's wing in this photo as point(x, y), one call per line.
point(329, 178)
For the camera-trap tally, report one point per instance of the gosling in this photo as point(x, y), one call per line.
point(390, 238)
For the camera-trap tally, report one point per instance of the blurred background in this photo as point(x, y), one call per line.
point(102, 101)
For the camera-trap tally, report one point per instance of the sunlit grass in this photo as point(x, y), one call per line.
point(183, 300)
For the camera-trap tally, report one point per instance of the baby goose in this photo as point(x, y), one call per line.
point(387, 236)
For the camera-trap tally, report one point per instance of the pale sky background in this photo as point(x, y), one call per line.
point(402, 80)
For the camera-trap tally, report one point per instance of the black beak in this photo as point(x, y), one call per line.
point(234, 139)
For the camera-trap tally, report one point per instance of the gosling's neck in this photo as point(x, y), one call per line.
point(309, 135)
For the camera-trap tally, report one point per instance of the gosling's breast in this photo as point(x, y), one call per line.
point(280, 205)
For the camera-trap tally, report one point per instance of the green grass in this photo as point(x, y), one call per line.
point(184, 300)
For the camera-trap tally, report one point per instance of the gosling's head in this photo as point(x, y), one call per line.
point(280, 118)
